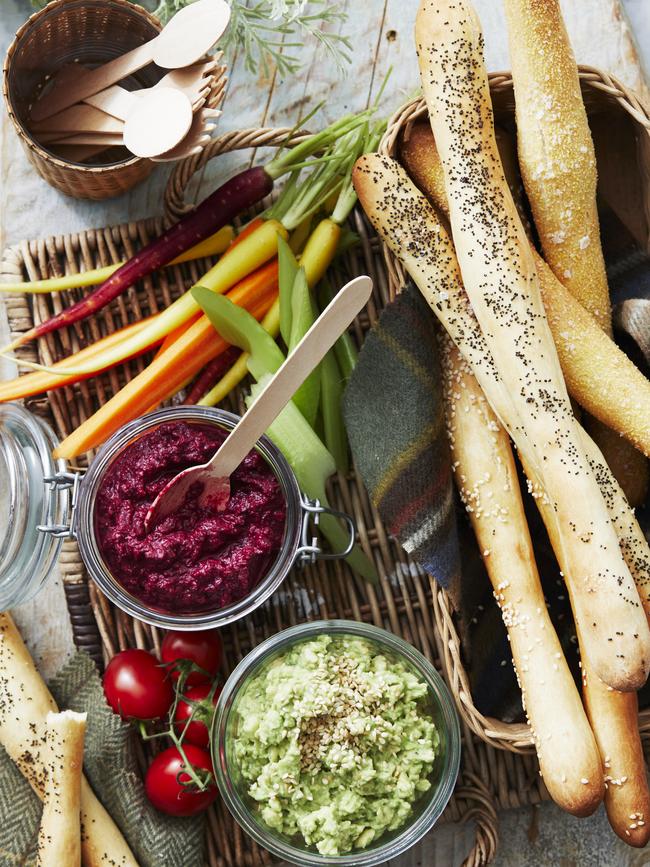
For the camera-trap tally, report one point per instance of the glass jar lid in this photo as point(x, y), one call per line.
point(27, 501)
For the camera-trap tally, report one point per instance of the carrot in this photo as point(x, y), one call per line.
point(215, 245)
point(211, 374)
point(192, 351)
point(176, 333)
point(233, 197)
point(251, 251)
point(37, 383)
point(173, 336)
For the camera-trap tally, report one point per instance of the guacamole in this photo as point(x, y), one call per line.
point(334, 743)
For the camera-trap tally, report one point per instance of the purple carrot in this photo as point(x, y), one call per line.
point(221, 207)
point(211, 374)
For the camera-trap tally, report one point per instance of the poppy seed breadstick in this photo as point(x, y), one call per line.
point(486, 478)
point(25, 705)
point(501, 281)
point(556, 151)
point(410, 228)
point(59, 838)
point(598, 374)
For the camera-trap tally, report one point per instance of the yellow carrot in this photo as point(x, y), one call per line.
point(212, 246)
point(37, 383)
point(316, 258)
point(319, 250)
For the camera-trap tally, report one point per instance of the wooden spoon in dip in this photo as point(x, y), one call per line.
point(215, 474)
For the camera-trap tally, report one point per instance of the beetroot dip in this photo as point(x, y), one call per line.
point(195, 559)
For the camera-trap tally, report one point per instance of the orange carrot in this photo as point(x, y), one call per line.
point(173, 336)
point(184, 358)
point(36, 383)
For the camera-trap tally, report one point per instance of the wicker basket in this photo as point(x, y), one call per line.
point(401, 602)
point(88, 31)
point(603, 95)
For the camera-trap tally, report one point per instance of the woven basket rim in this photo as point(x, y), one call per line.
point(509, 737)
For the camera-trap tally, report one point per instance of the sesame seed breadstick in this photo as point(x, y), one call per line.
point(59, 837)
point(409, 226)
point(24, 705)
point(486, 477)
point(501, 281)
point(597, 373)
point(558, 167)
point(614, 718)
point(556, 151)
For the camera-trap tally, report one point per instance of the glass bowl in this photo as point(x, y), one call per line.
point(425, 811)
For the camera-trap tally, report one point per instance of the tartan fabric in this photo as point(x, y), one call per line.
point(395, 421)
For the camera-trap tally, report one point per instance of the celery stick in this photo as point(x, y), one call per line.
point(303, 316)
point(331, 395)
point(239, 328)
point(344, 348)
point(287, 270)
point(312, 465)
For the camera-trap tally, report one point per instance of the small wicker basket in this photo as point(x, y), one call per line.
point(89, 32)
point(621, 127)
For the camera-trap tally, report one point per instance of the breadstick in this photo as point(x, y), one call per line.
point(486, 477)
point(59, 838)
point(24, 706)
point(598, 374)
point(558, 166)
point(556, 151)
point(501, 281)
point(614, 720)
point(409, 226)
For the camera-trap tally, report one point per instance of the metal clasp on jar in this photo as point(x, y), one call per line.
point(309, 550)
point(63, 482)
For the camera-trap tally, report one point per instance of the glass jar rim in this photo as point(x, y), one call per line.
point(411, 833)
point(27, 555)
point(109, 584)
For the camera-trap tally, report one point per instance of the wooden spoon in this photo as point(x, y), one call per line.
point(100, 112)
point(215, 474)
point(158, 122)
point(184, 40)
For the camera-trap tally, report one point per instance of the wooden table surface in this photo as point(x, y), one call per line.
point(609, 34)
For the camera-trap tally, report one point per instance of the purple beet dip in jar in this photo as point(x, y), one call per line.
point(196, 559)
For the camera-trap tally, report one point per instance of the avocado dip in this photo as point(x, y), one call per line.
point(334, 743)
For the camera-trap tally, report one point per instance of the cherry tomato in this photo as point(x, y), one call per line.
point(167, 793)
point(197, 732)
point(136, 686)
point(204, 648)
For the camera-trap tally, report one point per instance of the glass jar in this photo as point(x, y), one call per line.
point(29, 500)
point(297, 543)
point(234, 788)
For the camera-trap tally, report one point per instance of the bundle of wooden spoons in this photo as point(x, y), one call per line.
point(82, 111)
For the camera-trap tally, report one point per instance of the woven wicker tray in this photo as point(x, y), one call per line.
point(403, 600)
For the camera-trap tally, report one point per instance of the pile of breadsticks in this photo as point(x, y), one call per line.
point(47, 748)
point(526, 332)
